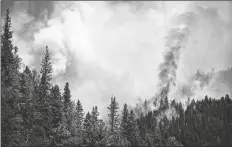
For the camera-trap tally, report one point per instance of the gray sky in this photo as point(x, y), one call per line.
point(115, 48)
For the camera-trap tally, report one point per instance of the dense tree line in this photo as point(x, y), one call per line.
point(34, 112)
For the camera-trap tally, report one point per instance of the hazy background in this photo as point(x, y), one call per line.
point(115, 48)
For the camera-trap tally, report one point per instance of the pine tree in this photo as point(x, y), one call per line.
point(44, 101)
point(66, 97)
point(124, 127)
point(56, 106)
point(113, 122)
point(46, 72)
point(94, 129)
point(26, 104)
point(10, 62)
point(68, 108)
point(10, 65)
point(124, 122)
point(113, 114)
point(94, 118)
point(87, 135)
point(38, 130)
point(78, 119)
point(94, 125)
point(131, 127)
point(133, 132)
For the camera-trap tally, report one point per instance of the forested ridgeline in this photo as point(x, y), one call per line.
point(34, 112)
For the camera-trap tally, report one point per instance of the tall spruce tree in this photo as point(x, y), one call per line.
point(124, 122)
point(44, 101)
point(113, 115)
point(10, 65)
point(113, 122)
point(133, 132)
point(10, 62)
point(56, 106)
point(124, 127)
point(87, 127)
point(46, 72)
point(78, 119)
point(68, 108)
point(66, 97)
point(94, 118)
point(27, 108)
point(94, 125)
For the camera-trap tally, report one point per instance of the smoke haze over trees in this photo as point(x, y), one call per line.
point(39, 101)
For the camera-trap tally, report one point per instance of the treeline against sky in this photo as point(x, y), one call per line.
point(34, 112)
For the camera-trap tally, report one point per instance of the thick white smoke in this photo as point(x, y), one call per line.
point(180, 39)
point(104, 48)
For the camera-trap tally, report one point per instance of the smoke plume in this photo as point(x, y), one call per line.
point(167, 74)
point(175, 43)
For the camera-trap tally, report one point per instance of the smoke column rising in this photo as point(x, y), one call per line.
point(167, 74)
point(176, 40)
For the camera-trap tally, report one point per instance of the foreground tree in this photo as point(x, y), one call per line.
point(78, 119)
point(46, 72)
point(27, 106)
point(43, 103)
point(68, 107)
point(56, 106)
point(87, 131)
point(114, 136)
point(124, 127)
point(10, 65)
point(66, 97)
point(133, 131)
